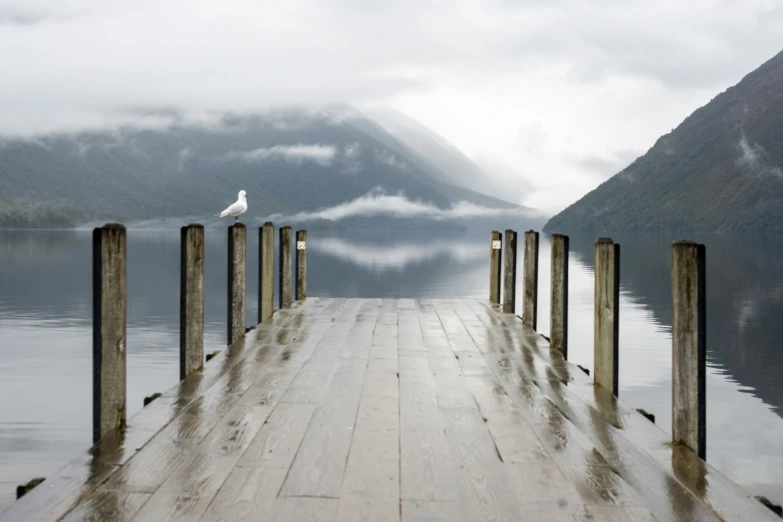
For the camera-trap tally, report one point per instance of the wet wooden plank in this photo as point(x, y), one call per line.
point(371, 485)
point(373, 469)
point(276, 443)
point(431, 511)
point(722, 495)
point(360, 508)
point(487, 491)
point(165, 454)
point(187, 493)
point(426, 466)
point(652, 487)
point(320, 463)
point(77, 479)
point(251, 488)
point(516, 441)
point(384, 409)
point(111, 505)
point(381, 365)
point(304, 509)
point(614, 514)
point(247, 494)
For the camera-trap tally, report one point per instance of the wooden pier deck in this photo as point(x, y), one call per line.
point(384, 409)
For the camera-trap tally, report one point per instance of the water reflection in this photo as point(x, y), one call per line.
point(744, 392)
point(383, 257)
point(45, 329)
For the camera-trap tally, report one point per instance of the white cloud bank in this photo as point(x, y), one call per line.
point(378, 203)
point(320, 154)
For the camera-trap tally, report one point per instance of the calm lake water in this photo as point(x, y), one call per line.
point(46, 332)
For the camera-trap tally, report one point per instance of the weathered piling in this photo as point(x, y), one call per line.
point(530, 290)
point(510, 272)
point(689, 352)
point(607, 313)
point(24, 489)
point(495, 251)
point(237, 250)
point(266, 271)
point(285, 267)
point(109, 324)
point(191, 299)
point(301, 264)
point(558, 322)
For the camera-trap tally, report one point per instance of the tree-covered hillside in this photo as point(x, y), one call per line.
point(286, 161)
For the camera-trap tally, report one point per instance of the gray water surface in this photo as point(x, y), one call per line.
point(46, 331)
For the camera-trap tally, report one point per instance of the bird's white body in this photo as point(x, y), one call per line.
point(237, 208)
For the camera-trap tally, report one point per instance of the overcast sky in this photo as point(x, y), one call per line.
point(562, 93)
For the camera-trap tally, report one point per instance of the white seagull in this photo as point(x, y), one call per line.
point(236, 208)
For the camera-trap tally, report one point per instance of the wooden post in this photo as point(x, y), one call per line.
point(607, 313)
point(558, 323)
point(285, 267)
point(237, 249)
point(530, 297)
point(495, 251)
point(301, 264)
point(266, 272)
point(510, 272)
point(689, 352)
point(109, 323)
point(191, 300)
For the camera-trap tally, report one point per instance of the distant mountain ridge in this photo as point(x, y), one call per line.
point(720, 170)
point(444, 156)
point(287, 161)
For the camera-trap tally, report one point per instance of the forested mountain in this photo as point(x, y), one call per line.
point(287, 161)
point(720, 170)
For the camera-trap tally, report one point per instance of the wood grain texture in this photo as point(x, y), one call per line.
point(266, 271)
point(510, 272)
point(495, 257)
point(689, 346)
point(110, 505)
point(558, 321)
point(109, 329)
point(284, 267)
point(301, 265)
point(191, 300)
point(237, 281)
point(607, 314)
point(530, 286)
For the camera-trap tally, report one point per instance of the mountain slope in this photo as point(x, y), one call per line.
point(456, 167)
point(287, 162)
point(720, 170)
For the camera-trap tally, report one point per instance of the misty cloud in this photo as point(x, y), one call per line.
point(387, 158)
point(378, 203)
point(351, 158)
point(607, 166)
point(753, 158)
point(184, 155)
point(320, 154)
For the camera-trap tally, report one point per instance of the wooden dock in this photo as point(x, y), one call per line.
point(389, 410)
point(383, 409)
